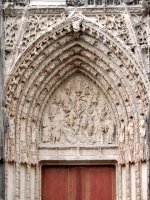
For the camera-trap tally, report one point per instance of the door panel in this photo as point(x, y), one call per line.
point(100, 183)
point(78, 183)
point(55, 183)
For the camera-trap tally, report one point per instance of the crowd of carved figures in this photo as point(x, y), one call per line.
point(43, 86)
point(78, 114)
point(132, 141)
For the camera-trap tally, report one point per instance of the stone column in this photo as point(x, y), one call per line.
point(120, 182)
point(149, 91)
point(148, 142)
point(2, 166)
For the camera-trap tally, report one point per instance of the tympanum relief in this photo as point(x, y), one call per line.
point(78, 113)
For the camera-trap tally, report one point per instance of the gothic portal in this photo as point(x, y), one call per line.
point(77, 97)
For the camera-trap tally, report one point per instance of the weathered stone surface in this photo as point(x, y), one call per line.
point(2, 165)
point(76, 90)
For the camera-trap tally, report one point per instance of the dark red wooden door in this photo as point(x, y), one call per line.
point(78, 183)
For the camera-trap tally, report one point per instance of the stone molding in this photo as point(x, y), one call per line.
point(76, 46)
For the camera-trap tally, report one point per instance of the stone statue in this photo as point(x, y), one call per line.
point(67, 89)
point(36, 111)
point(121, 132)
point(34, 133)
point(121, 156)
point(12, 153)
point(55, 133)
point(66, 105)
point(99, 129)
point(142, 131)
point(18, 91)
point(130, 129)
point(90, 131)
point(46, 134)
point(24, 157)
point(109, 128)
point(12, 128)
point(130, 149)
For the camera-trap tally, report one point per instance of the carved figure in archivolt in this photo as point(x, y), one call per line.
point(12, 128)
point(142, 131)
point(24, 157)
point(130, 129)
point(121, 132)
point(78, 113)
point(34, 133)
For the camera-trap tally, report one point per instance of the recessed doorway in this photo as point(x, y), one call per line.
point(79, 182)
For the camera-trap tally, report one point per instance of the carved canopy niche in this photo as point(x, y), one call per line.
point(78, 113)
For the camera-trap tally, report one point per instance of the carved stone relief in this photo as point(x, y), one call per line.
point(76, 118)
point(78, 113)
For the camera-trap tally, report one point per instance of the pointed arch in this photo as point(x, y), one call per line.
point(75, 45)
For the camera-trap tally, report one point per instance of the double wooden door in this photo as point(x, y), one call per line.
point(78, 183)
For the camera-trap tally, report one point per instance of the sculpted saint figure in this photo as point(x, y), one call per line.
point(26, 107)
point(70, 119)
point(12, 128)
point(34, 132)
point(95, 97)
point(67, 89)
point(12, 152)
point(87, 89)
point(109, 130)
point(142, 131)
point(130, 129)
point(33, 154)
point(91, 136)
point(52, 112)
point(99, 129)
point(66, 105)
point(143, 152)
point(34, 158)
point(82, 134)
point(121, 156)
point(57, 100)
point(18, 91)
point(130, 149)
point(104, 111)
point(36, 111)
point(141, 106)
point(135, 88)
point(24, 152)
point(69, 133)
point(90, 107)
point(121, 132)
point(46, 134)
point(55, 133)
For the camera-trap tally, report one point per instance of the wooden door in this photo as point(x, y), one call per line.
point(78, 183)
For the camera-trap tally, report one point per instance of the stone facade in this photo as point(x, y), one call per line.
point(76, 90)
point(3, 125)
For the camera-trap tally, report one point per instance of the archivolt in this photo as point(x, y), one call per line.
point(62, 52)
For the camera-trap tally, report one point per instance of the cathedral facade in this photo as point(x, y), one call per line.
point(75, 100)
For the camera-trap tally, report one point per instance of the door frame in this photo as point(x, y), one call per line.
point(77, 163)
